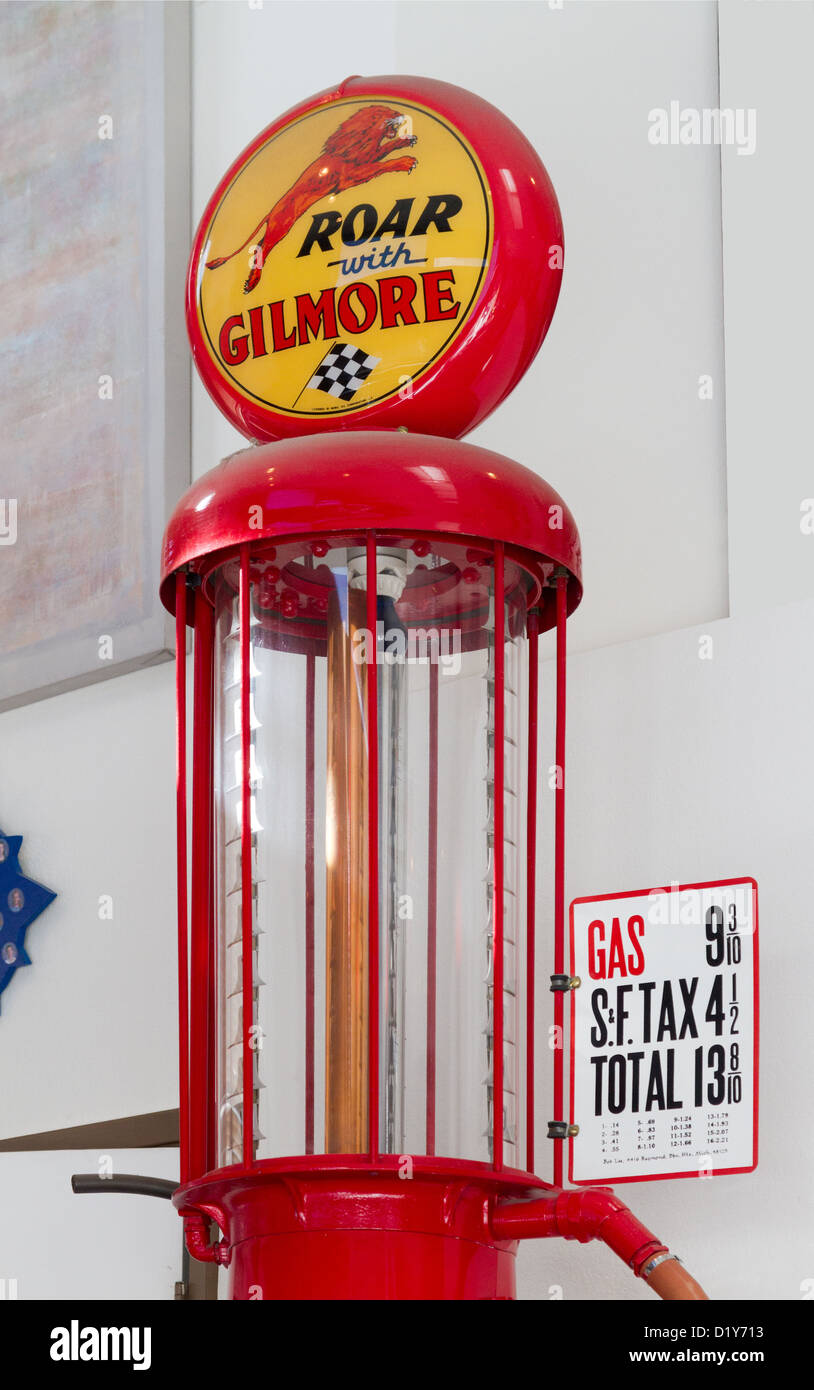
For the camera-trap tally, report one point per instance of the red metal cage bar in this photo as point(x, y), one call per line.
point(310, 692)
point(372, 853)
point(246, 878)
point(201, 916)
point(181, 829)
point(532, 629)
point(499, 853)
point(432, 907)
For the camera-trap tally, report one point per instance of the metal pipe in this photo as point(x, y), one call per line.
point(596, 1213)
point(199, 1244)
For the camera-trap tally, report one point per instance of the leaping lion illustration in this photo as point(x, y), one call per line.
point(354, 154)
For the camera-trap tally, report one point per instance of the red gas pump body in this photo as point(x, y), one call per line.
point(278, 560)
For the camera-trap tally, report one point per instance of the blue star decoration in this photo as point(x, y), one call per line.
point(21, 900)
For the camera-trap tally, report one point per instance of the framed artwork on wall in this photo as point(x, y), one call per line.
point(95, 408)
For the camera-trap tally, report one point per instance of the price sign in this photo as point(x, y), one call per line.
point(664, 1033)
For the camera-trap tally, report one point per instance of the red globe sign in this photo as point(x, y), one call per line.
point(387, 254)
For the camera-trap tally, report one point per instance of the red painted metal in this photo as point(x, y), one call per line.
point(372, 851)
point(181, 827)
point(334, 1232)
point(516, 301)
point(310, 686)
point(465, 1170)
point(559, 874)
point(432, 907)
point(397, 483)
point(201, 903)
point(531, 875)
point(246, 857)
point(499, 851)
point(196, 1238)
point(585, 1214)
point(211, 1121)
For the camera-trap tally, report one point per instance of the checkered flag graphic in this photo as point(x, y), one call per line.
point(342, 371)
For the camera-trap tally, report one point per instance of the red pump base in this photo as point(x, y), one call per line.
point(370, 1265)
point(408, 1228)
point(357, 1234)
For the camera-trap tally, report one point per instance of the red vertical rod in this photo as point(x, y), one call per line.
point(372, 851)
point(432, 905)
point(559, 874)
point(211, 1138)
point(183, 925)
point(533, 629)
point(246, 856)
point(497, 950)
point(310, 682)
point(212, 997)
point(201, 883)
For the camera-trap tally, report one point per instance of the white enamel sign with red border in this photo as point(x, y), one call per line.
point(664, 1033)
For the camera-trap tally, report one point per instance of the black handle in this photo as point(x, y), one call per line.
point(124, 1182)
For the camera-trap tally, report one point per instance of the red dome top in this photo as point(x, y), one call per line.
point(364, 480)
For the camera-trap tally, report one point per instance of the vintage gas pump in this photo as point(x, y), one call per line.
point(357, 1059)
point(358, 873)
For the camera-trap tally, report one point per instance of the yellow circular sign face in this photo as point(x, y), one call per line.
point(343, 258)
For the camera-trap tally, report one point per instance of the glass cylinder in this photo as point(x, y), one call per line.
point(417, 954)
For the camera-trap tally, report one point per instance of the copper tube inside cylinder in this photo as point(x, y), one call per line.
point(346, 988)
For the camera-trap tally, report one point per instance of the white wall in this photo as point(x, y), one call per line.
point(610, 414)
point(89, 780)
point(90, 1246)
point(768, 231)
point(687, 769)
